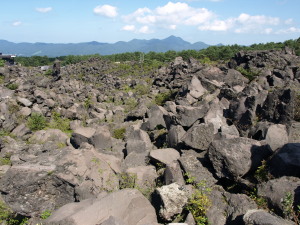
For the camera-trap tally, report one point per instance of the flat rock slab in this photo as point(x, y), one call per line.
point(128, 206)
point(165, 155)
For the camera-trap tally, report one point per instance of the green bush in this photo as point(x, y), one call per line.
point(119, 133)
point(141, 89)
point(2, 63)
point(251, 75)
point(161, 98)
point(57, 122)
point(36, 122)
point(12, 86)
point(44, 215)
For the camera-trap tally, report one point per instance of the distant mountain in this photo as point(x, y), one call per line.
point(86, 48)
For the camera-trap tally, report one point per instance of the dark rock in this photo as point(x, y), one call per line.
point(187, 115)
point(286, 161)
point(199, 136)
point(261, 217)
point(234, 158)
point(276, 190)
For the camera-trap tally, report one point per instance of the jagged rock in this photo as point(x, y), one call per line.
point(190, 220)
point(101, 139)
point(144, 177)
point(165, 155)
point(24, 101)
point(276, 190)
point(195, 88)
point(234, 77)
point(230, 131)
point(175, 135)
point(276, 136)
point(173, 198)
point(55, 135)
point(138, 141)
point(173, 174)
point(286, 161)
point(128, 206)
point(25, 111)
point(188, 115)
point(199, 136)
point(81, 135)
point(155, 118)
point(21, 130)
point(235, 157)
point(294, 133)
point(30, 189)
point(134, 159)
point(197, 167)
point(261, 217)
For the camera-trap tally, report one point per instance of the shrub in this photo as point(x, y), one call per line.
point(248, 73)
point(161, 98)
point(119, 133)
point(141, 89)
point(36, 122)
point(12, 86)
point(57, 122)
point(2, 63)
point(44, 215)
point(198, 205)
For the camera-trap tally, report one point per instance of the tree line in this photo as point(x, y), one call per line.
point(212, 53)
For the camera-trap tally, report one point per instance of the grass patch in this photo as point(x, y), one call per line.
point(119, 133)
point(248, 73)
point(12, 86)
point(36, 122)
point(161, 98)
point(58, 122)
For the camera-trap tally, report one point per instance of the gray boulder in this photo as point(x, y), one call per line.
point(294, 133)
point(261, 217)
point(276, 190)
point(172, 198)
point(174, 135)
point(137, 140)
point(199, 136)
point(101, 139)
point(188, 115)
point(233, 158)
point(196, 167)
point(173, 174)
point(127, 206)
point(277, 136)
point(155, 118)
point(81, 135)
point(286, 161)
point(165, 155)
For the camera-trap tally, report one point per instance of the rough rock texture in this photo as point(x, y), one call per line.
point(286, 161)
point(173, 198)
point(262, 217)
point(127, 206)
point(233, 158)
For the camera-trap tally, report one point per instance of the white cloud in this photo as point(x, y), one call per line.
point(44, 10)
point(129, 28)
point(217, 25)
point(16, 23)
point(170, 15)
point(289, 30)
point(106, 10)
point(145, 30)
point(175, 14)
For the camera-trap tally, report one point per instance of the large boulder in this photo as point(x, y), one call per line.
point(286, 161)
point(155, 118)
point(138, 140)
point(199, 136)
point(165, 155)
point(127, 206)
point(262, 217)
point(276, 191)
point(235, 157)
point(172, 198)
point(188, 115)
point(277, 136)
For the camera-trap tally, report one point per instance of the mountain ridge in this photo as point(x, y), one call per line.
point(93, 47)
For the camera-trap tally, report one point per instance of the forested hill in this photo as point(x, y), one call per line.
point(54, 50)
point(210, 54)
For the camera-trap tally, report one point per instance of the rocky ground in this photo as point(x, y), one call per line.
point(187, 143)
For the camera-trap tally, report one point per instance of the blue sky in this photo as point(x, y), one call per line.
point(211, 21)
